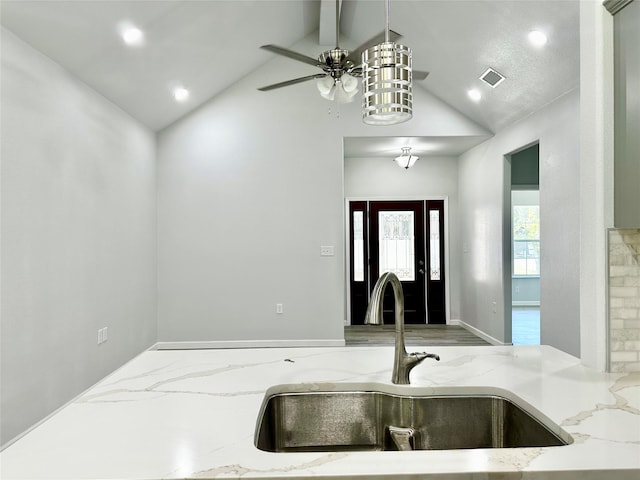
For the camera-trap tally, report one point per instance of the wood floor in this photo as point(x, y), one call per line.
point(367, 335)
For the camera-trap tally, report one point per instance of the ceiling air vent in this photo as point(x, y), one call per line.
point(492, 78)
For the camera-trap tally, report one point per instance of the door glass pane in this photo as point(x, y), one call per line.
point(397, 244)
point(358, 247)
point(434, 244)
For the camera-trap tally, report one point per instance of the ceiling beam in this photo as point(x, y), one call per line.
point(327, 27)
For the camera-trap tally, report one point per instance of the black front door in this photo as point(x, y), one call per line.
point(396, 244)
point(391, 236)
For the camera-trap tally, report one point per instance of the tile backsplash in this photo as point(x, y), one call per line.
point(624, 300)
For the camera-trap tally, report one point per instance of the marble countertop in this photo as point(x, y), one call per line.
point(192, 414)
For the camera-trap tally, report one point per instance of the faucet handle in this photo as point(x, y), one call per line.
point(410, 360)
point(422, 355)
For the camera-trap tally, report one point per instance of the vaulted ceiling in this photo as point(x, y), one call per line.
point(207, 45)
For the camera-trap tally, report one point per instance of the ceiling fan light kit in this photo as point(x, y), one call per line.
point(342, 89)
point(387, 97)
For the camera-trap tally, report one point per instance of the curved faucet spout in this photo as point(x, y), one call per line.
point(403, 362)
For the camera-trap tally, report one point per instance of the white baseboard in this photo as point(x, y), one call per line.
point(479, 333)
point(248, 344)
point(525, 304)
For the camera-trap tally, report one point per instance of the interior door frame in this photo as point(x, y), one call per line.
point(347, 269)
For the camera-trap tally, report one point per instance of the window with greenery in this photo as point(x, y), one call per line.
point(526, 240)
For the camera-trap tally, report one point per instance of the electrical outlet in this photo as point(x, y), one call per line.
point(326, 251)
point(494, 307)
point(279, 308)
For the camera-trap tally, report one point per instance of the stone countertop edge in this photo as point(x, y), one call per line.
point(191, 414)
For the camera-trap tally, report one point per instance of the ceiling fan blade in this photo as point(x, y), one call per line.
point(291, 54)
point(419, 74)
point(291, 82)
point(356, 55)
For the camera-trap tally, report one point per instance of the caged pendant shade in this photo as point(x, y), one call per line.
point(387, 97)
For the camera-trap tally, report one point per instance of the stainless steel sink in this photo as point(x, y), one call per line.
point(364, 418)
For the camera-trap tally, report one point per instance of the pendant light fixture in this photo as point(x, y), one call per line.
point(406, 160)
point(387, 97)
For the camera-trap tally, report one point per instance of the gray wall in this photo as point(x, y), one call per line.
point(78, 237)
point(485, 268)
point(525, 292)
point(249, 187)
point(430, 177)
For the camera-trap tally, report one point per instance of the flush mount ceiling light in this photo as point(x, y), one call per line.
point(387, 97)
point(406, 160)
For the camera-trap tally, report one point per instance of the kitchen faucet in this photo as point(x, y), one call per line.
point(403, 362)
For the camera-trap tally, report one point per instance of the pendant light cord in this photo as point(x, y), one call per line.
point(337, 24)
point(386, 31)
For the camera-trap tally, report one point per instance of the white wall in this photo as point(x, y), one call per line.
point(250, 186)
point(78, 236)
point(482, 196)
point(430, 177)
point(596, 176)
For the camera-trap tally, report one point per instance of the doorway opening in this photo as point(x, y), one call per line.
point(406, 237)
point(525, 247)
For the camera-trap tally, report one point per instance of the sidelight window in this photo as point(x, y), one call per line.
point(358, 246)
point(434, 244)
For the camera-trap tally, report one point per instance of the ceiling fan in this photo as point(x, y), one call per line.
point(340, 67)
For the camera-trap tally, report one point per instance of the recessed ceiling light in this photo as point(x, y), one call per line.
point(537, 38)
point(133, 36)
point(180, 94)
point(474, 95)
